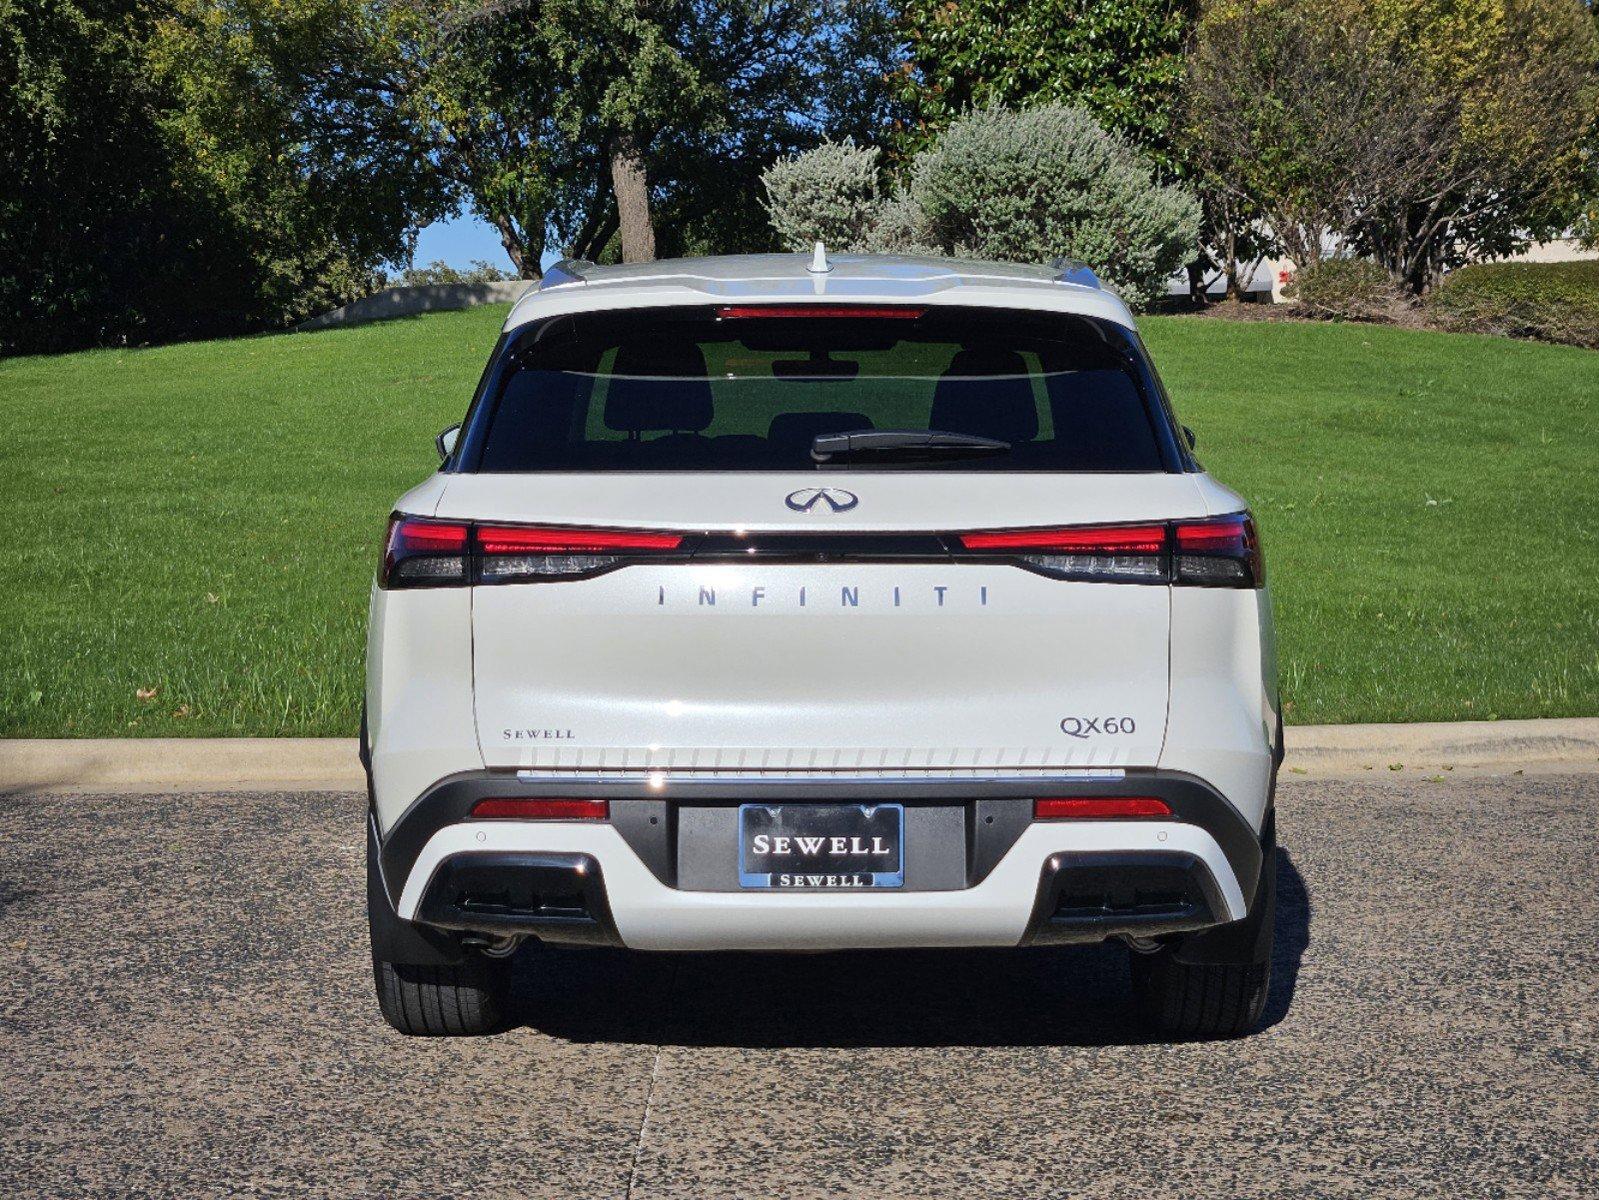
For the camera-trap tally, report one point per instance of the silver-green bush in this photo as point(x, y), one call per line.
point(1022, 186)
point(831, 194)
point(1030, 185)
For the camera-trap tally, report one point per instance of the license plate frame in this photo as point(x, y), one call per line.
point(861, 827)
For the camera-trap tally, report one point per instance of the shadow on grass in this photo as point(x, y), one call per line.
point(1070, 996)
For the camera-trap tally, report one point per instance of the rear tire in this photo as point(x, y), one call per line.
point(1199, 1001)
point(1221, 995)
point(428, 984)
point(461, 1000)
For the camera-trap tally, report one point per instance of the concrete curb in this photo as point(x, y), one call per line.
point(1472, 747)
point(329, 764)
point(180, 764)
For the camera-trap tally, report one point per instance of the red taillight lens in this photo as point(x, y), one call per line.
point(1109, 553)
point(876, 312)
point(506, 808)
point(1221, 552)
point(512, 552)
point(425, 553)
point(421, 553)
point(1214, 552)
point(1089, 808)
point(1102, 539)
point(522, 539)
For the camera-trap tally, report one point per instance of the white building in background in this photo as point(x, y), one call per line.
point(1559, 250)
point(1272, 275)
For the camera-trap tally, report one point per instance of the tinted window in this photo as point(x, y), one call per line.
point(692, 389)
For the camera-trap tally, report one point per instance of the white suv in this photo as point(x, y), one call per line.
point(778, 603)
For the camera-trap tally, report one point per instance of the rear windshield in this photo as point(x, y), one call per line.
point(741, 389)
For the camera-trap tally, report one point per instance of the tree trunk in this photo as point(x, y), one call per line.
point(511, 239)
point(597, 229)
point(631, 186)
point(1235, 287)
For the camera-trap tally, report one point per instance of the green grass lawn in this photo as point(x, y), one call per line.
point(200, 522)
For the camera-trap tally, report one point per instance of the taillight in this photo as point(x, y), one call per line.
point(1091, 808)
point(1135, 553)
point(425, 553)
point(1224, 552)
point(1215, 552)
point(421, 553)
point(510, 552)
point(520, 809)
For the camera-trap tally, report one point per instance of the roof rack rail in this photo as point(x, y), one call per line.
point(568, 270)
point(1069, 270)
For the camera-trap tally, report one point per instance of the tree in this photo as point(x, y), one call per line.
point(1122, 60)
point(1514, 86)
point(522, 112)
point(1586, 226)
point(91, 196)
point(1424, 135)
point(495, 148)
point(143, 202)
point(1294, 117)
point(251, 80)
point(713, 88)
point(201, 166)
point(790, 77)
point(87, 187)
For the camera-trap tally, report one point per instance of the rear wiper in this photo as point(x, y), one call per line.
point(901, 443)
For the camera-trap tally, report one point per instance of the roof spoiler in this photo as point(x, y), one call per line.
point(1069, 270)
point(568, 270)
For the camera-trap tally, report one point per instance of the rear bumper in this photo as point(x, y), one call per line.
point(1001, 879)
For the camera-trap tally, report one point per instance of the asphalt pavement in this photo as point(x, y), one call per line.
point(186, 1010)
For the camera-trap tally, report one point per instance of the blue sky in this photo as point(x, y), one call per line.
point(459, 241)
point(462, 240)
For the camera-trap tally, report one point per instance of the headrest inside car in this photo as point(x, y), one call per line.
point(986, 393)
point(658, 384)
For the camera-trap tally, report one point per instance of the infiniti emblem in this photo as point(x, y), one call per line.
point(836, 499)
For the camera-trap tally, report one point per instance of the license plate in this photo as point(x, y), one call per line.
point(821, 847)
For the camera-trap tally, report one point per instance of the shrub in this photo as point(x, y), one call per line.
point(831, 194)
point(1028, 186)
point(901, 228)
point(440, 271)
point(1349, 289)
point(1020, 186)
point(1553, 302)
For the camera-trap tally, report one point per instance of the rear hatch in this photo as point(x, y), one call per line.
point(789, 612)
point(825, 664)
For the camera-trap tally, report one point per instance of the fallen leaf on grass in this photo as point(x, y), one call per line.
point(145, 694)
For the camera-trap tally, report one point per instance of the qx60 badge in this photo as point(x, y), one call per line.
point(836, 499)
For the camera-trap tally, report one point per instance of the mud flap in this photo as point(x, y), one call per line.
point(1249, 940)
point(399, 941)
